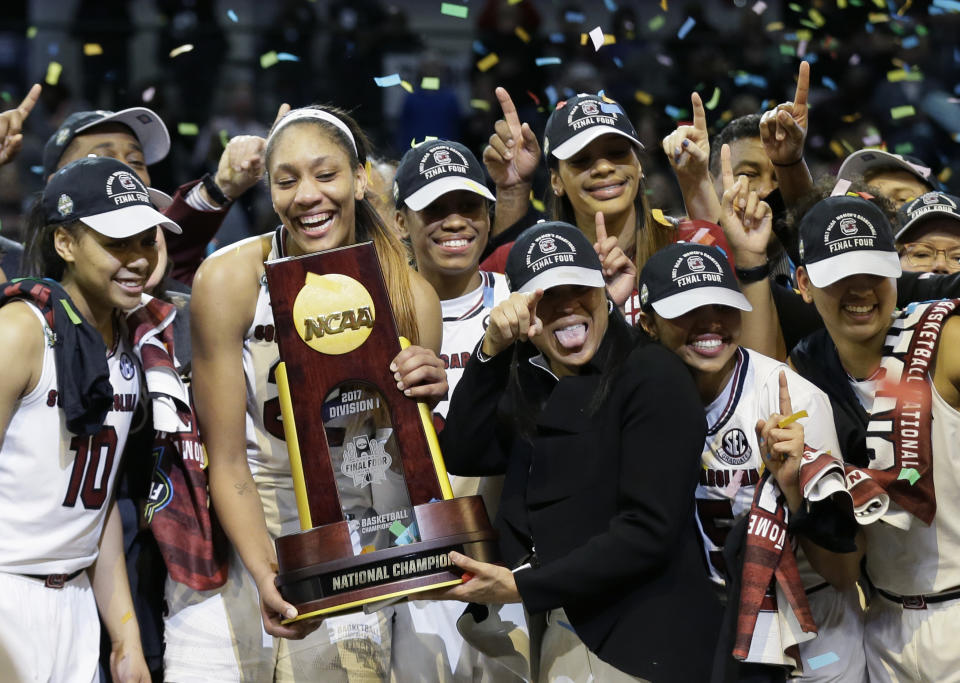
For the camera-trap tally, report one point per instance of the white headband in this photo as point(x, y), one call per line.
point(306, 113)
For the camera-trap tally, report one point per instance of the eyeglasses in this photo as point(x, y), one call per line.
point(924, 255)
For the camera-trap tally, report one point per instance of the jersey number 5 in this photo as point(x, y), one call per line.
point(90, 451)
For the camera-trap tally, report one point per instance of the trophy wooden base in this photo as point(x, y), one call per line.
point(320, 574)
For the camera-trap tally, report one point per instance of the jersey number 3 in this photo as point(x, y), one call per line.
point(91, 468)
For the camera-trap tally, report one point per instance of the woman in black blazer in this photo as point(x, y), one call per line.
point(599, 433)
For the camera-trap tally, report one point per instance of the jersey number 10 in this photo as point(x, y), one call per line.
point(87, 470)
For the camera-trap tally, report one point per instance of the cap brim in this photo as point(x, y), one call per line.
point(585, 137)
point(857, 164)
point(160, 200)
point(429, 193)
point(564, 275)
point(153, 136)
point(925, 214)
point(861, 262)
point(680, 303)
point(129, 221)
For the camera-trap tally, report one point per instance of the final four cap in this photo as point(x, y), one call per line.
point(683, 276)
point(580, 121)
point(863, 161)
point(434, 168)
point(551, 254)
point(925, 207)
point(842, 236)
point(104, 194)
point(145, 125)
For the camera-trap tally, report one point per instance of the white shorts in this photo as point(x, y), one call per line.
point(836, 654)
point(218, 635)
point(912, 644)
point(48, 634)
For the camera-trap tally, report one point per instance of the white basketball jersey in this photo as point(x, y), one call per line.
point(731, 456)
point(56, 486)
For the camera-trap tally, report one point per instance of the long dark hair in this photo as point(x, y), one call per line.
point(521, 410)
point(369, 225)
point(40, 257)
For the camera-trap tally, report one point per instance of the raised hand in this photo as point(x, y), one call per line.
point(619, 271)
point(241, 165)
point(783, 129)
point(747, 220)
point(11, 125)
point(513, 154)
point(782, 447)
point(513, 319)
point(420, 374)
point(688, 147)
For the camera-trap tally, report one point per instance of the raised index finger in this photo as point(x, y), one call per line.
point(726, 168)
point(30, 101)
point(803, 86)
point(785, 407)
point(281, 112)
point(509, 112)
point(699, 115)
point(601, 228)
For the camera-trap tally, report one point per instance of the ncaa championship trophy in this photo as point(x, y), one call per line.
point(377, 515)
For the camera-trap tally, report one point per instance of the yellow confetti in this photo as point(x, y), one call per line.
point(663, 5)
point(880, 4)
point(482, 105)
point(804, 34)
point(180, 50)
point(126, 617)
point(945, 174)
point(817, 17)
point(32, 32)
point(837, 148)
point(775, 26)
point(92, 49)
point(850, 118)
point(714, 99)
point(584, 38)
point(488, 62)
point(537, 204)
point(643, 97)
point(515, 2)
point(185, 128)
point(787, 421)
point(428, 138)
point(902, 111)
point(660, 218)
point(842, 4)
point(878, 18)
point(521, 34)
point(903, 75)
point(406, 86)
point(54, 69)
point(430, 83)
point(609, 39)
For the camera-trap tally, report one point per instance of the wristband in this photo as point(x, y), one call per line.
point(216, 194)
point(755, 274)
point(792, 163)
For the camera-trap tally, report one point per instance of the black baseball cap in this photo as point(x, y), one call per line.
point(582, 119)
point(925, 207)
point(863, 161)
point(683, 276)
point(145, 125)
point(842, 236)
point(550, 254)
point(103, 194)
point(434, 168)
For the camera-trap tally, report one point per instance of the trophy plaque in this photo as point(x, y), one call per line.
point(377, 515)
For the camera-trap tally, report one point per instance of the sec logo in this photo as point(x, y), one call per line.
point(127, 369)
point(734, 447)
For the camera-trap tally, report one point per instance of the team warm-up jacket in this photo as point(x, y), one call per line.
point(603, 501)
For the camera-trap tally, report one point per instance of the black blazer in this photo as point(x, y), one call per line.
point(606, 501)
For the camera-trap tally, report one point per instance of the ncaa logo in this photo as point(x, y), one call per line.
point(65, 205)
point(734, 448)
point(126, 182)
point(590, 108)
point(62, 136)
point(441, 156)
point(848, 226)
point(931, 198)
point(695, 263)
point(547, 245)
point(127, 369)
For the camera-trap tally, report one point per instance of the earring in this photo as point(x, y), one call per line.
point(609, 306)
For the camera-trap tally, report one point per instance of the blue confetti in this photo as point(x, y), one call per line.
point(551, 93)
point(53, 49)
point(287, 57)
point(828, 82)
point(743, 78)
point(910, 42)
point(387, 81)
point(544, 61)
point(232, 16)
point(618, 62)
point(869, 28)
point(611, 5)
point(934, 10)
point(823, 660)
point(557, 38)
point(948, 5)
point(672, 112)
point(479, 48)
point(687, 26)
point(574, 17)
point(811, 58)
point(37, 169)
point(610, 108)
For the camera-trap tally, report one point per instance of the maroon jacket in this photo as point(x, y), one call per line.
point(189, 248)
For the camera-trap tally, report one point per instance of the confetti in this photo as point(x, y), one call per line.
point(514, 2)
point(822, 660)
point(816, 17)
point(488, 62)
point(287, 57)
point(788, 50)
point(232, 16)
point(268, 59)
point(551, 93)
point(54, 69)
point(522, 34)
point(675, 113)
point(618, 62)
point(687, 26)
point(643, 97)
point(665, 60)
point(430, 83)
point(557, 38)
point(657, 22)
point(574, 17)
point(790, 419)
point(37, 170)
point(482, 105)
point(451, 10)
point(536, 100)
point(828, 82)
point(610, 5)
point(904, 148)
point(147, 95)
point(92, 49)
point(596, 36)
point(387, 81)
point(660, 218)
point(910, 474)
point(537, 204)
point(224, 137)
point(185, 128)
point(545, 61)
point(902, 111)
point(878, 18)
point(5, 96)
point(414, 143)
point(126, 617)
point(775, 26)
point(31, 32)
point(909, 42)
point(711, 104)
point(663, 5)
point(406, 86)
point(177, 51)
point(759, 7)
point(479, 47)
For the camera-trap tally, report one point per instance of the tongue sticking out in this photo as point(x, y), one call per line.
point(573, 336)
